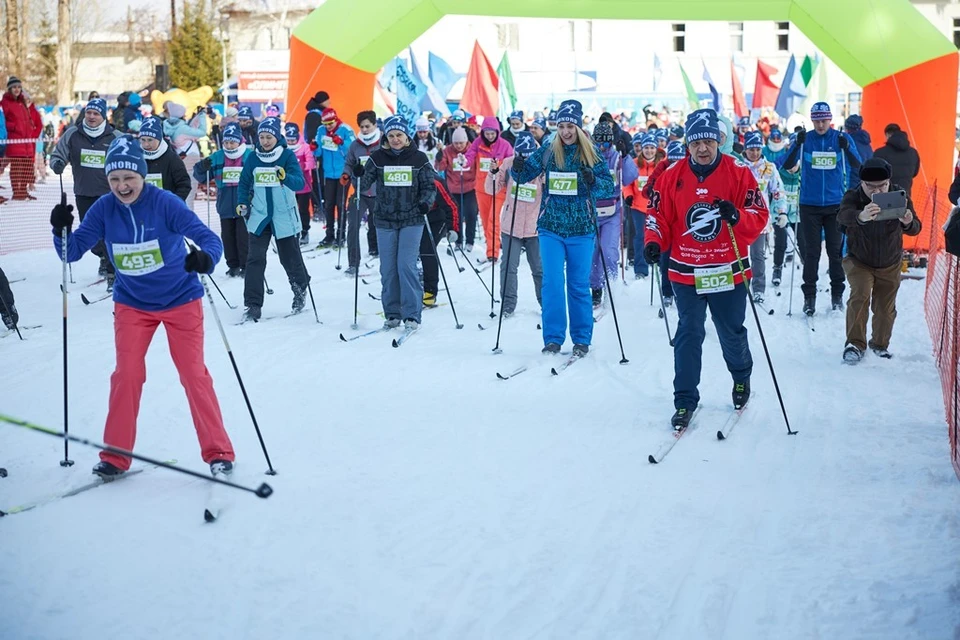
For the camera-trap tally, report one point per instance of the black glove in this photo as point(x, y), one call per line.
point(801, 135)
point(199, 261)
point(62, 216)
point(358, 169)
point(205, 165)
point(843, 143)
point(495, 169)
point(651, 253)
point(621, 147)
point(424, 208)
point(628, 201)
point(519, 162)
point(728, 211)
point(589, 178)
point(737, 147)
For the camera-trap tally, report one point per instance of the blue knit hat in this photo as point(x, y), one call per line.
point(702, 124)
point(233, 132)
point(676, 131)
point(552, 116)
point(661, 133)
point(246, 113)
point(396, 123)
point(459, 115)
point(525, 143)
point(291, 131)
point(648, 140)
point(271, 126)
point(570, 111)
point(515, 114)
point(820, 111)
point(775, 134)
point(125, 153)
point(99, 105)
point(753, 140)
point(152, 127)
point(637, 138)
point(675, 150)
point(134, 99)
point(539, 121)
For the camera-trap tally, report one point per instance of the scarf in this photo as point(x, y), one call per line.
point(370, 138)
point(271, 156)
point(293, 147)
point(236, 153)
point(95, 133)
point(153, 155)
point(776, 146)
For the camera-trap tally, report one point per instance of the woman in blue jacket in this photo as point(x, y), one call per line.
point(144, 228)
point(576, 177)
point(267, 200)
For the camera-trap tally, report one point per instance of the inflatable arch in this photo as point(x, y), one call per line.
point(907, 68)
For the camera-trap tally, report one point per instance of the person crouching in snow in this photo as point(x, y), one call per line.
point(308, 163)
point(576, 175)
point(609, 211)
point(165, 169)
point(267, 201)
point(520, 231)
point(144, 229)
point(225, 166)
point(405, 192)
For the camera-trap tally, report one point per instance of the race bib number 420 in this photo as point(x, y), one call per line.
point(713, 279)
point(265, 177)
point(823, 160)
point(398, 176)
point(138, 259)
point(562, 183)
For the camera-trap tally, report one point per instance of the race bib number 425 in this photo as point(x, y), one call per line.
point(562, 183)
point(138, 259)
point(265, 177)
point(713, 279)
point(398, 176)
point(93, 158)
point(823, 160)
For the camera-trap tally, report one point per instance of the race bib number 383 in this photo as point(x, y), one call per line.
point(138, 259)
point(398, 176)
point(713, 279)
point(562, 183)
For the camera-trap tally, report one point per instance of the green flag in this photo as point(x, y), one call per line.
point(691, 94)
point(807, 69)
point(508, 94)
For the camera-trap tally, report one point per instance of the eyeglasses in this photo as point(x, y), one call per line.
point(876, 186)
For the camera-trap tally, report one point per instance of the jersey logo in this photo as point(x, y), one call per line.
point(703, 222)
point(701, 192)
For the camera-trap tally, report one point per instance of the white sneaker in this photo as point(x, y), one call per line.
point(468, 248)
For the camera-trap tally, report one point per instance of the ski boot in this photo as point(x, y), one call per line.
point(107, 471)
point(10, 320)
point(758, 298)
point(391, 323)
point(251, 314)
point(304, 238)
point(580, 350)
point(299, 298)
point(810, 305)
point(410, 324)
point(836, 302)
point(852, 354)
point(741, 394)
point(681, 419)
point(111, 277)
point(668, 301)
point(597, 297)
point(429, 299)
point(221, 467)
point(551, 349)
point(777, 276)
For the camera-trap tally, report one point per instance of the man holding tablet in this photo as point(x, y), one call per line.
point(876, 215)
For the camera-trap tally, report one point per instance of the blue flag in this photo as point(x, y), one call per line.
point(409, 93)
point(432, 99)
point(792, 91)
point(713, 87)
point(442, 75)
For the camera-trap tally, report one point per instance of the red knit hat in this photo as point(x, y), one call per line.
point(329, 115)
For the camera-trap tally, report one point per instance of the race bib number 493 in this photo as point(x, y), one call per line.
point(398, 176)
point(713, 279)
point(562, 183)
point(138, 259)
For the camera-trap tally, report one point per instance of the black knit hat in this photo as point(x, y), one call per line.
point(12, 81)
point(875, 170)
point(321, 97)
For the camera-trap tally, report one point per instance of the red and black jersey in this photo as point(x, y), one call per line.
point(685, 221)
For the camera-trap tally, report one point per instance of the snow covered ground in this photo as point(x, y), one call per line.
point(418, 496)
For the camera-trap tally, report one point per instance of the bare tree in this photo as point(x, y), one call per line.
point(65, 68)
point(15, 54)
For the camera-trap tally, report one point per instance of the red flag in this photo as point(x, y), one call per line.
point(765, 92)
point(739, 100)
point(480, 92)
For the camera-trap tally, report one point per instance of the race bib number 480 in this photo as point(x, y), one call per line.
point(398, 176)
point(713, 279)
point(265, 177)
point(562, 183)
point(823, 160)
point(138, 259)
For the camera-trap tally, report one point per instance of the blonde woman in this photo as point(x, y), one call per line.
point(576, 176)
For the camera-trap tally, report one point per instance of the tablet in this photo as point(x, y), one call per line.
point(893, 205)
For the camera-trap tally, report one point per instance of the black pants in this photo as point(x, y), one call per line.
point(6, 295)
point(354, 216)
point(428, 257)
point(812, 221)
point(290, 258)
point(315, 190)
point(303, 204)
point(629, 231)
point(468, 216)
point(332, 203)
point(233, 232)
point(100, 249)
point(366, 206)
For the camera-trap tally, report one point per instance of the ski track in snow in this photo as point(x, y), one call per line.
point(420, 497)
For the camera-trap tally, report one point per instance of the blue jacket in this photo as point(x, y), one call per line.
point(3, 131)
point(865, 149)
point(566, 215)
point(270, 200)
point(334, 155)
point(824, 187)
point(226, 193)
point(157, 216)
point(627, 174)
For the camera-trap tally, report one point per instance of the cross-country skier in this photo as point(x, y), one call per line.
point(444, 221)
point(369, 139)
point(165, 169)
point(334, 139)
point(461, 183)
point(296, 144)
point(487, 151)
point(144, 230)
point(637, 203)
point(771, 188)
point(514, 126)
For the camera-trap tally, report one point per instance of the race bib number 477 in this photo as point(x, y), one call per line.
point(562, 183)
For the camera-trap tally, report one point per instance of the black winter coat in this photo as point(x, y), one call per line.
point(171, 172)
point(876, 244)
point(397, 206)
point(903, 158)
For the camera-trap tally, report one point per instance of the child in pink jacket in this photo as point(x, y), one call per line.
point(489, 150)
point(308, 163)
point(520, 229)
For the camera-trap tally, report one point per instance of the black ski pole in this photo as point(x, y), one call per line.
point(236, 370)
point(343, 221)
point(10, 315)
point(513, 221)
point(221, 292)
point(756, 317)
point(467, 259)
point(263, 491)
point(433, 243)
point(493, 237)
point(266, 286)
point(592, 212)
point(66, 462)
point(663, 307)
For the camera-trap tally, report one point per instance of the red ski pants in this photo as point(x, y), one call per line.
point(133, 332)
point(489, 208)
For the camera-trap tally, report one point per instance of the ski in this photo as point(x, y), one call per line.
point(724, 432)
point(668, 445)
point(16, 280)
point(373, 296)
point(93, 484)
point(368, 282)
point(600, 314)
point(566, 363)
point(88, 301)
point(22, 327)
point(364, 335)
point(215, 499)
point(403, 338)
point(513, 373)
point(86, 286)
point(763, 307)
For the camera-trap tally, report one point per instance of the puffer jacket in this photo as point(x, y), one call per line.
point(271, 200)
point(876, 244)
point(23, 123)
point(566, 215)
point(226, 173)
point(167, 172)
point(635, 188)
point(528, 201)
point(184, 136)
point(623, 171)
point(307, 164)
point(397, 205)
point(903, 158)
point(87, 156)
point(484, 155)
point(458, 181)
